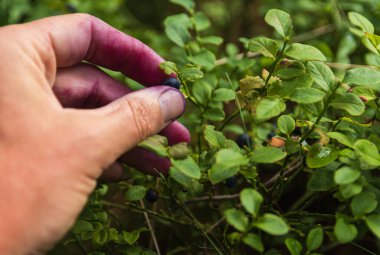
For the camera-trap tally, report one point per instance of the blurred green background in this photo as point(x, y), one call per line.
point(322, 23)
point(230, 19)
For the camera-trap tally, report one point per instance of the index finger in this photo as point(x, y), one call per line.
point(78, 37)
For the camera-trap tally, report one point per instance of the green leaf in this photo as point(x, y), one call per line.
point(213, 40)
point(169, 67)
point(280, 21)
point(179, 150)
point(350, 103)
point(202, 91)
point(294, 246)
point(237, 219)
point(267, 155)
point(251, 201)
point(176, 29)
point(344, 231)
point(223, 94)
point(368, 153)
point(314, 239)
point(214, 138)
point(304, 52)
point(187, 4)
point(322, 75)
point(204, 58)
point(214, 114)
point(363, 204)
point(265, 46)
point(113, 235)
point(350, 190)
point(82, 226)
point(286, 124)
point(360, 21)
point(373, 223)
point(188, 167)
point(343, 139)
point(307, 95)
point(227, 163)
point(272, 224)
point(374, 40)
point(201, 21)
point(319, 156)
point(254, 241)
point(269, 107)
point(191, 73)
point(288, 73)
point(179, 177)
point(363, 76)
point(364, 93)
point(135, 193)
point(321, 180)
point(130, 237)
point(346, 175)
point(156, 144)
point(100, 237)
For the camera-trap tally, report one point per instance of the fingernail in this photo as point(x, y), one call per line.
point(172, 104)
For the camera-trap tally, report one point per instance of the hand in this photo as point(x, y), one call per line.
point(52, 149)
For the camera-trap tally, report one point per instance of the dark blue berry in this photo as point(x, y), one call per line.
point(297, 131)
point(231, 182)
point(270, 135)
point(151, 196)
point(172, 82)
point(71, 8)
point(243, 140)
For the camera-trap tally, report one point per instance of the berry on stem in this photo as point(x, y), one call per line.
point(270, 135)
point(151, 196)
point(297, 131)
point(243, 140)
point(172, 82)
point(231, 182)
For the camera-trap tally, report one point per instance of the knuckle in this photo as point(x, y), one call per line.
point(141, 119)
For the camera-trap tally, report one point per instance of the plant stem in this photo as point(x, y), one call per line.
point(274, 65)
point(122, 207)
point(330, 98)
point(301, 200)
point(363, 248)
point(240, 111)
point(192, 100)
point(152, 232)
point(228, 120)
point(200, 225)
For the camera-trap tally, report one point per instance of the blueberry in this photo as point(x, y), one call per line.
point(151, 196)
point(270, 135)
point(297, 131)
point(172, 82)
point(243, 140)
point(71, 8)
point(231, 182)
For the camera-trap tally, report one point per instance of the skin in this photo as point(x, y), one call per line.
point(64, 124)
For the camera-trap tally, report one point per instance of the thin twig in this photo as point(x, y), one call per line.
point(152, 232)
point(292, 166)
point(139, 209)
point(215, 225)
point(213, 198)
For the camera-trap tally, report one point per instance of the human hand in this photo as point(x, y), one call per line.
point(51, 153)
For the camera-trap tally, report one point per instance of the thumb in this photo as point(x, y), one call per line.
point(122, 124)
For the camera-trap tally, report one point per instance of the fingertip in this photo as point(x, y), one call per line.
point(176, 133)
point(146, 161)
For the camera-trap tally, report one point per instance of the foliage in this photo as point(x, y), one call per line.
point(314, 192)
